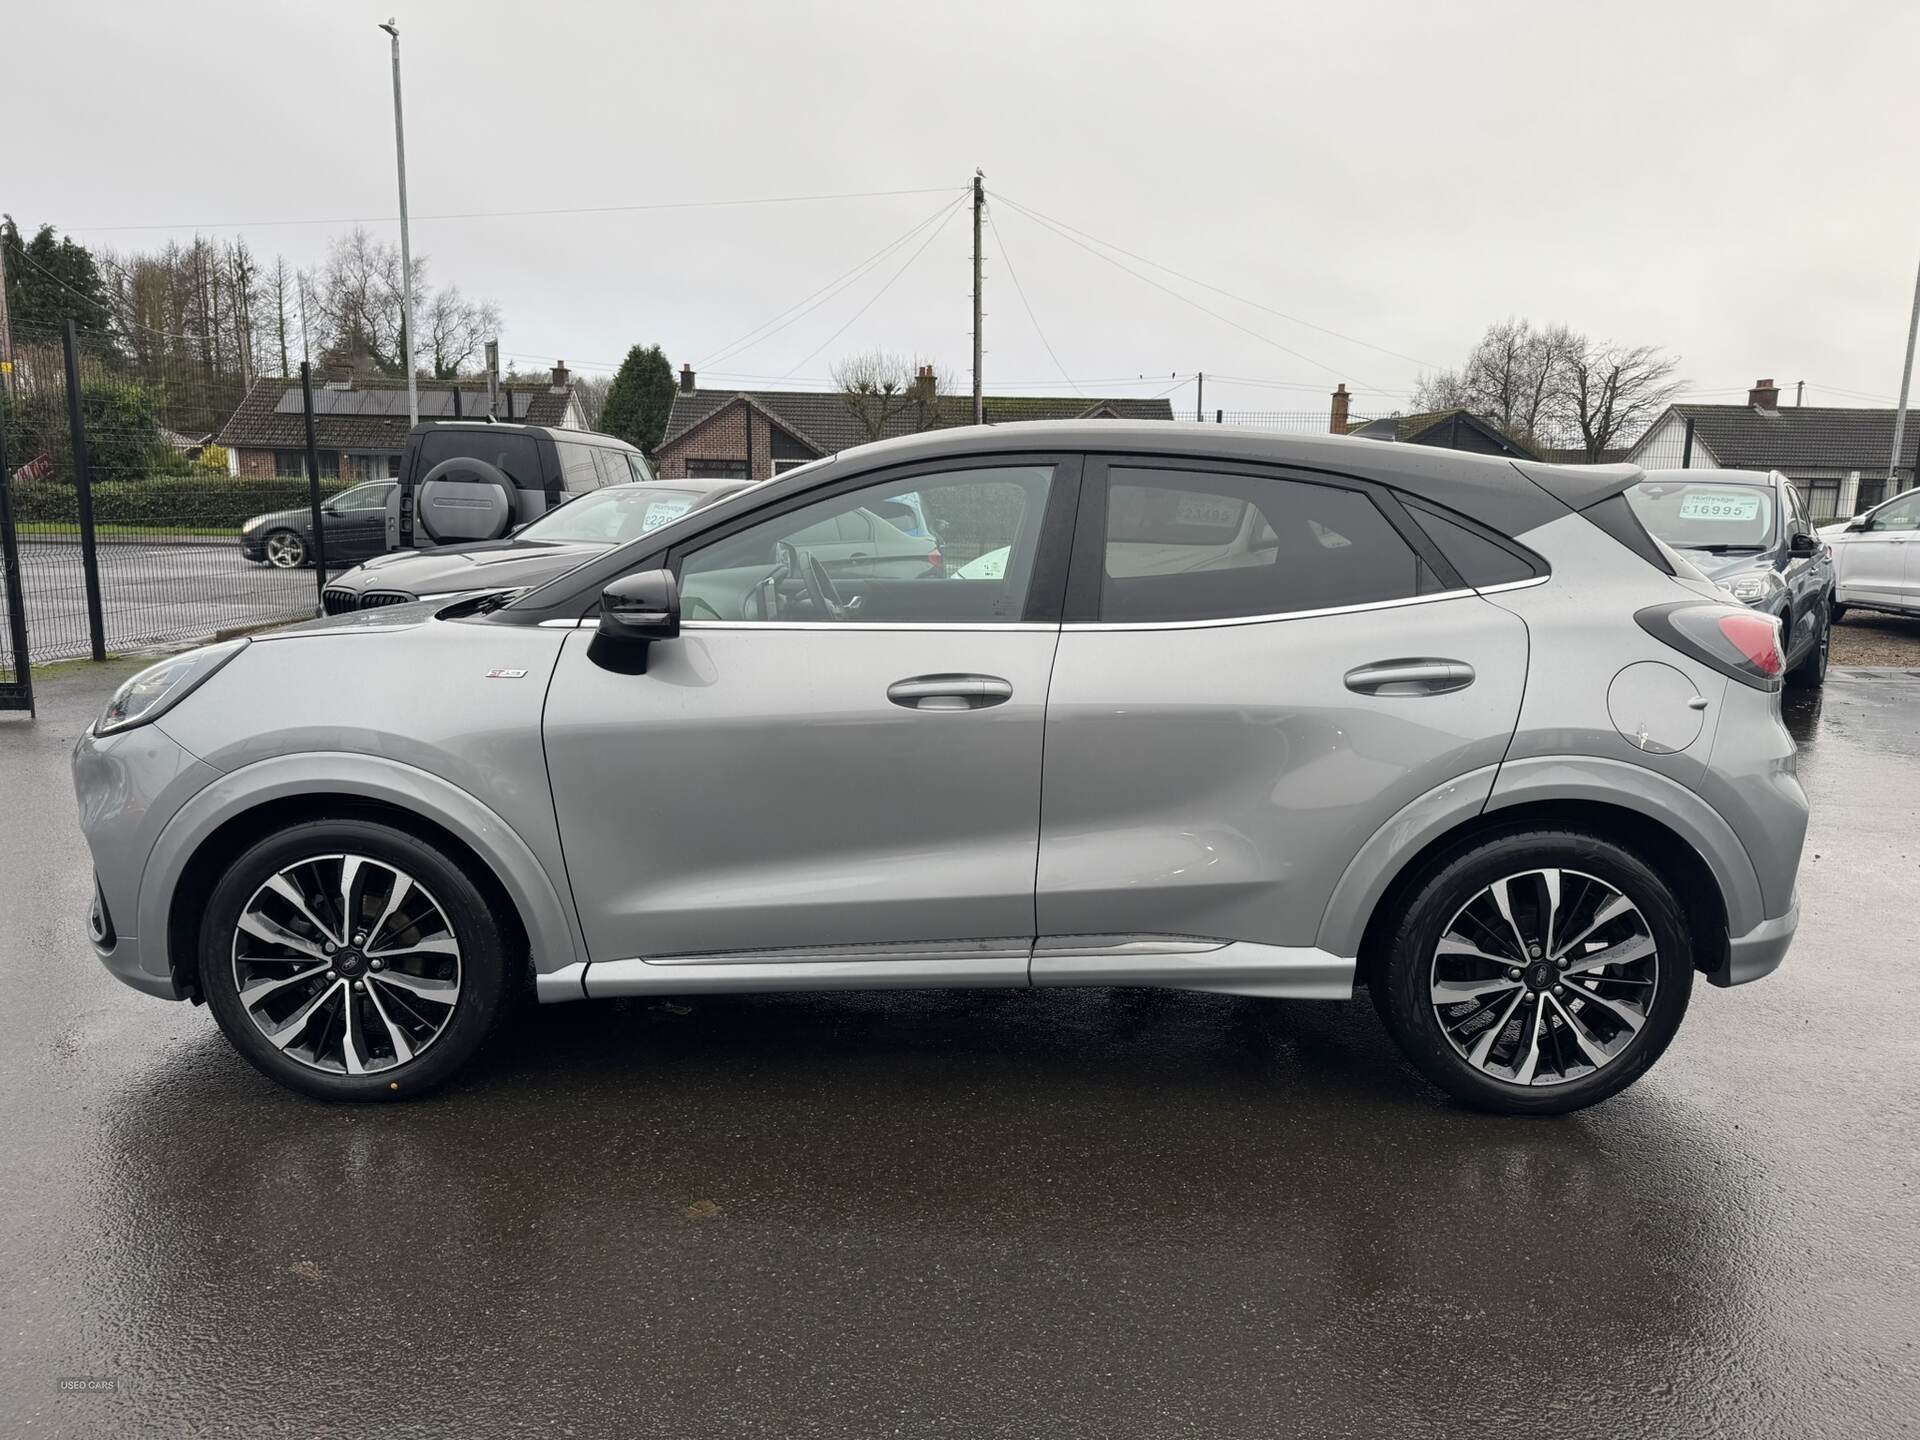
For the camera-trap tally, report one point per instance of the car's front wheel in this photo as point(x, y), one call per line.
point(1536, 971)
point(353, 961)
point(286, 550)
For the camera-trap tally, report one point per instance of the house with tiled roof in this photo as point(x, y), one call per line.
point(361, 425)
point(1456, 429)
point(759, 433)
point(1836, 454)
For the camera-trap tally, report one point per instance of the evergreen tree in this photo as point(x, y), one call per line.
point(639, 398)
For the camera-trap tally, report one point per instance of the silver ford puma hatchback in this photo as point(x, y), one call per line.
point(1158, 705)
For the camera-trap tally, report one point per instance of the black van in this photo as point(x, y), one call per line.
point(466, 480)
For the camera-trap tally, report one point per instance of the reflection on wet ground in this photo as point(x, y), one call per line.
point(1018, 1213)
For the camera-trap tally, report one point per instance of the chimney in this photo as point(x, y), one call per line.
point(923, 383)
point(1765, 395)
point(686, 379)
point(560, 376)
point(1337, 422)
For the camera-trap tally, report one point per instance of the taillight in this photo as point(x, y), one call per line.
point(938, 563)
point(1732, 639)
point(1758, 638)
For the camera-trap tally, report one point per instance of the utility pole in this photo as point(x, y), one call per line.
point(979, 204)
point(1200, 396)
point(1906, 379)
point(392, 27)
point(7, 233)
point(493, 377)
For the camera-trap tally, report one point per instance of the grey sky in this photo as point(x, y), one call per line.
point(1735, 181)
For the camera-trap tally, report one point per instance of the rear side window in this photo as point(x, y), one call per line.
point(1189, 545)
point(1481, 561)
point(513, 454)
point(578, 473)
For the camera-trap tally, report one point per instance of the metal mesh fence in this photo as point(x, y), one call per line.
point(167, 513)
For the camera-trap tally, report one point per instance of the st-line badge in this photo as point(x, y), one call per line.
point(506, 674)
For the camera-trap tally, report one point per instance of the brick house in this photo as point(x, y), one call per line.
point(1836, 454)
point(760, 433)
point(361, 425)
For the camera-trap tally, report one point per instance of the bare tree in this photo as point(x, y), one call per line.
point(278, 300)
point(1615, 391)
point(591, 392)
point(456, 331)
point(1516, 377)
point(890, 395)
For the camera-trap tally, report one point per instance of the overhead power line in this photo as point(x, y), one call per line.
point(932, 235)
point(1038, 219)
point(766, 329)
point(1228, 294)
point(520, 214)
point(1027, 304)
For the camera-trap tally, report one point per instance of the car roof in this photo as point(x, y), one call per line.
point(598, 439)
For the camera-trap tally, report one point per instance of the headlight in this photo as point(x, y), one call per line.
point(158, 688)
point(1756, 587)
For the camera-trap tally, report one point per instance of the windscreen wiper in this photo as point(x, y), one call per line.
point(1724, 549)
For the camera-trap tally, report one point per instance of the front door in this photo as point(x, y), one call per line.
point(821, 763)
point(1874, 560)
point(1258, 671)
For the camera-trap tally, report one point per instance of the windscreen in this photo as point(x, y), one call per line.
point(613, 516)
point(1704, 515)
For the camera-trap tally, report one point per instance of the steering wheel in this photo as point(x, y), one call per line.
point(820, 586)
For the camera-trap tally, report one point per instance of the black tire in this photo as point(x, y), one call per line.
point(488, 974)
point(1811, 673)
point(1402, 977)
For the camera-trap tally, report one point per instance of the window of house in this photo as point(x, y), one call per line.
point(292, 464)
point(702, 469)
point(1820, 497)
point(1190, 545)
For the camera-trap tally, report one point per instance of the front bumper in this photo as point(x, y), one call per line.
point(254, 548)
point(1759, 952)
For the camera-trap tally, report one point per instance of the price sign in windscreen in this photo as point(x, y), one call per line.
point(1720, 505)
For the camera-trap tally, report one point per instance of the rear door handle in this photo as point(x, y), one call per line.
point(950, 692)
point(1410, 677)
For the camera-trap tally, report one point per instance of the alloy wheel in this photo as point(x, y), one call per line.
point(346, 964)
point(1544, 977)
point(285, 550)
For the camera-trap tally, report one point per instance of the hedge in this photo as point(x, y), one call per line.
point(186, 502)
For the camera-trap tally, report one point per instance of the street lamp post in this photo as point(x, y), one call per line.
point(392, 27)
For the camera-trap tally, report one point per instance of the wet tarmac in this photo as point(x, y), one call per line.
point(1043, 1213)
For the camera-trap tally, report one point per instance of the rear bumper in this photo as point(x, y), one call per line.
point(122, 959)
point(1758, 953)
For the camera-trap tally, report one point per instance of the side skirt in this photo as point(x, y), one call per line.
point(1171, 962)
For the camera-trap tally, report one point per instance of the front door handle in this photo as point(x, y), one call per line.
point(1410, 677)
point(950, 692)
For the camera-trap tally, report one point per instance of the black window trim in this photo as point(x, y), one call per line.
point(1539, 567)
point(1088, 564)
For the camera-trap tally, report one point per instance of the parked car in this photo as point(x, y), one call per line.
point(459, 481)
point(356, 527)
point(1447, 727)
point(1876, 557)
point(530, 555)
point(1749, 531)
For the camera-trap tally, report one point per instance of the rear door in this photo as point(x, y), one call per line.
point(1258, 670)
point(1874, 561)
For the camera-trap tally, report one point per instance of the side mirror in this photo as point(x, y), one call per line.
point(641, 608)
point(1804, 546)
point(1859, 522)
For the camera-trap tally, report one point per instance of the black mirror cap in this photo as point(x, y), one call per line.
point(643, 607)
point(1804, 546)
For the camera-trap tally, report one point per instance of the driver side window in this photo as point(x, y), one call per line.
point(1900, 515)
point(953, 547)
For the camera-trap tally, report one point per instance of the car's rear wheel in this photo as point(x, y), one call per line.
point(1811, 673)
point(1536, 972)
point(353, 961)
point(286, 550)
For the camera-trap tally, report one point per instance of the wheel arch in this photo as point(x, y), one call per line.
point(1667, 824)
point(231, 814)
